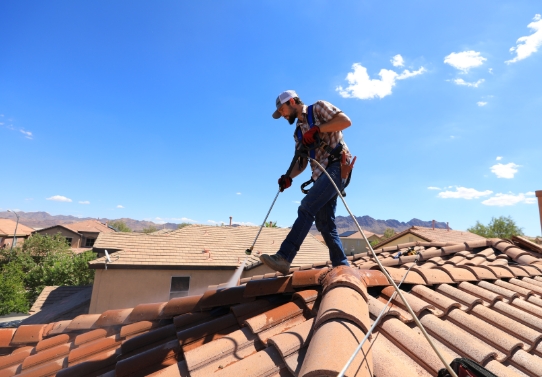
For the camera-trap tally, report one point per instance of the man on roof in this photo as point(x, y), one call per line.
point(326, 121)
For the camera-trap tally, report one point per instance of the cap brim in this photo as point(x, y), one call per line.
point(276, 115)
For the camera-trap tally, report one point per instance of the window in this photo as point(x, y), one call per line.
point(90, 242)
point(179, 286)
point(69, 241)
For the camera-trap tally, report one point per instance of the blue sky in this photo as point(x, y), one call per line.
point(162, 110)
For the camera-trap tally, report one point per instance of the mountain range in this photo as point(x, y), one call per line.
point(344, 223)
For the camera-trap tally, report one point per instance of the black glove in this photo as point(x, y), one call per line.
point(284, 182)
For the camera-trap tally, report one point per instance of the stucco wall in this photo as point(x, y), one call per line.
point(76, 238)
point(119, 289)
point(353, 246)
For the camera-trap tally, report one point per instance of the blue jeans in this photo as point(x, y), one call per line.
point(319, 205)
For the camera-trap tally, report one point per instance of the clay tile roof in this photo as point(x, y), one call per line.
point(201, 246)
point(436, 235)
point(92, 226)
point(308, 323)
point(7, 228)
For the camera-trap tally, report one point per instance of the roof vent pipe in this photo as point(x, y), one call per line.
point(433, 224)
point(448, 226)
point(539, 196)
point(230, 220)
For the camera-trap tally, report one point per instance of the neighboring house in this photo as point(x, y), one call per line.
point(79, 235)
point(477, 300)
point(7, 231)
point(354, 243)
point(158, 267)
point(420, 233)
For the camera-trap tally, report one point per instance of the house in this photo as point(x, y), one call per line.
point(423, 234)
point(7, 231)
point(157, 267)
point(79, 235)
point(354, 243)
point(475, 299)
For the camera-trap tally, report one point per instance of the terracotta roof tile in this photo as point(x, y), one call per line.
point(263, 287)
point(344, 303)
point(274, 316)
point(5, 337)
point(331, 347)
point(27, 334)
point(294, 330)
point(292, 340)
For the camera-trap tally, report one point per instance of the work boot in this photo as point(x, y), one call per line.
point(276, 262)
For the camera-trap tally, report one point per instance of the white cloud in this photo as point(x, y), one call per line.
point(481, 103)
point(120, 206)
point(296, 201)
point(464, 193)
point(434, 188)
point(464, 60)
point(505, 170)
point(248, 223)
point(471, 84)
point(490, 70)
point(84, 202)
point(238, 193)
point(397, 61)
point(215, 222)
point(186, 219)
point(407, 74)
point(59, 198)
point(502, 200)
point(498, 158)
point(362, 87)
point(27, 134)
point(526, 46)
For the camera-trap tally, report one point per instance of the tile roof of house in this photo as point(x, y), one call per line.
point(436, 235)
point(52, 294)
point(478, 299)
point(7, 228)
point(357, 235)
point(199, 246)
point(91, 226)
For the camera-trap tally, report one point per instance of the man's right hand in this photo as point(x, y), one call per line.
point(284, 182)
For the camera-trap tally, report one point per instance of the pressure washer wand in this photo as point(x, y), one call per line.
point(249, 250)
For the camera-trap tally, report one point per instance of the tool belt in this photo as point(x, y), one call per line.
point(335, 156)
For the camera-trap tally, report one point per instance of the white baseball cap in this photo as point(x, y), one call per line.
point(283, 98)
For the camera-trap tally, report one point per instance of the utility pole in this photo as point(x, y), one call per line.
point(14, 233)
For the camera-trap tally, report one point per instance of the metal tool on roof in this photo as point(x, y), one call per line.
point(390, 280)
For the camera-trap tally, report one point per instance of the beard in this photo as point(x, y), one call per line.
point(293, 115)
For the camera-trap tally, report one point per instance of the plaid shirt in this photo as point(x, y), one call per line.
point(323, 112)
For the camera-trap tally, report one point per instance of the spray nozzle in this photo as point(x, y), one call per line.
point(248, 251)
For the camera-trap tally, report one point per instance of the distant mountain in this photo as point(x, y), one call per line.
point(345, 223)
point(44, 220)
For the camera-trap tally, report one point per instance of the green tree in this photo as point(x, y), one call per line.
point(500, 227)
point(270, 224)
point(42, 260)
point(120, 226)
point(13, 295)
point(150, 229)
point(182, 225)
point(388, 233)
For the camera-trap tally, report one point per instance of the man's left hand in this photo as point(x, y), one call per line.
point(308, 137)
